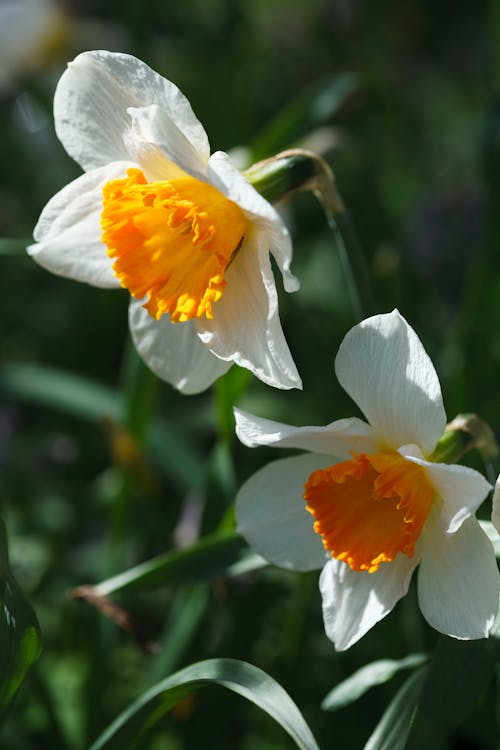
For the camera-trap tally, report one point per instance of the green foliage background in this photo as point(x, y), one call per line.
point(415, 151)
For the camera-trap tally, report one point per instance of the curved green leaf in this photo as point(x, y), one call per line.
point(60, 390)
point(242, 678)
point(367, 677)
point(214, 555)
point(391, 733)
point(20, 641)
point(460, 673)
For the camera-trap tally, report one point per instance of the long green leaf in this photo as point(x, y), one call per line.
point(367, 677)
point(20, 641)
point(218, 554)
point(459, 674)
point(59, 390)
point(14, 246)
point(86, 399)
point(240, 677)
point(391, 733)
point(183, 621)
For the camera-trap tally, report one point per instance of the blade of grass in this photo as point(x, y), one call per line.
point(240, 677)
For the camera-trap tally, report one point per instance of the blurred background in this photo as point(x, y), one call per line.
point(102, 466)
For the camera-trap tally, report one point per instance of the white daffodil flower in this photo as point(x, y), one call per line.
point(375, 505)
point(181, 229)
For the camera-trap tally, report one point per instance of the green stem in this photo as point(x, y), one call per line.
point(353, 264)
point(297, 169)
point(348, 246)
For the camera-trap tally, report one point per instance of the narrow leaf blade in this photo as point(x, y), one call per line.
point(240, 677)
point(391, 733)
point(459, 674)
point(59, 390)
point(367, 677)
point(216, 554)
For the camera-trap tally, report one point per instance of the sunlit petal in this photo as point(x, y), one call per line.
point(336, 439)
point(246, 327)
point(91, 106)
point(383, 366)
point(226, 177)
point(68, 233)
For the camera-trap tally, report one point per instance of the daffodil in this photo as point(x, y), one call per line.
point(181, 229)
point(367, 503)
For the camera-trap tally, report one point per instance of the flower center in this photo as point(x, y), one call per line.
point(370, 508)
point(171, 241)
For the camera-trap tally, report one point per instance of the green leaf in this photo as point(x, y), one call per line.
point(14, 246)
point(367, 677)
point(185, 613)
point(459, 673)
point(60, 390)
point(218, 554)
point(240, 677)
point(86, 399)
point(20, 641)
point(308, 111)
point(391, 733)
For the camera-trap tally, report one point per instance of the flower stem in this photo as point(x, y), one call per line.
point(348, 246)
point(353, 264)
point(297, 169)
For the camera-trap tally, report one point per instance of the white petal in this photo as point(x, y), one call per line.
point(246, 328)
point(461, 489)
point(495, 516)
point(91, 109)
point(336, 439)
point(68, 232)
point(162, 150)
point(173, 351)
point(384, 368)
point(231, 183)
point(271, 513)
point(354, 601)
point(458, 582)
